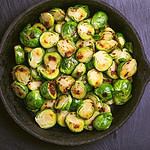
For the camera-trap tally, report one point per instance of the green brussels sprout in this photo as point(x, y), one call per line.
point(46, 118)
point(47, 19)
point(21, 73)
point(129, 46)
point(120, 39)
point(85, 30)
point(104, 92)
point(69, 30)
point(99, 20)
point(19, 54)
point(20, 89)
point(74, 123)
point(102, 60)
point(66, 48)
point(65, 83)
point(48, 104)
point(84, 54)
point(35, 75)
point(58, 14)
point(122, 91)
point(49, 39)
point(127, 69)
point(78, 12)
point(34, 101)
point(28, 49)
point(40, 26)
point(68, 64)
point(48, 90)
point(35, 57)
point(95, 78)
point(89, 65)
point(63, 102)
point(79, 70)
point(61, 116)
point(103, 121)
point(78, 90)
point(30, 36)
point(34, 85)
point(52, 49)
point(75, 104)
point(58, 26)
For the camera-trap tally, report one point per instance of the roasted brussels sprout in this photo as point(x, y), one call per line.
point(75, 104)
point(46, 118)
point(122, 91)
point(66, 48)
point(95, 78)
point(89, 65)
point(102, 60)
point(58, 26)
point(20, 89)
point(120, 39)
point(129, 46)
point(99, 20)
point(47, 19)
point(49, 39)
point(104, 92)
point(78, 12)
point(35, 75)
point(58, 14)
point(48, 104)
point(19, 54)
point(35, 57)
point(30, 36)
point(127, 69)
point(34, 85)
point(105, 108)
point(61, 116)
point(68, 65)
point(40, 26)
point(34, 101)
point(27, 49)
point(48, 90)
point(74, 123)
point(103, 121)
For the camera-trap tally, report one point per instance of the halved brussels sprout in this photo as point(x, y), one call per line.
point(52, 49)
point(84, 54)
point(120, 39)
point(129, 46)
point(122, 91)
point(74, 123)
point(78, 12)
point(68, 65)
point(85, 30)
point(106, 79)
point(40, 26)
point(28, 49)
point(88, 124)
point(66, 48)
point(61, 116)
point(116, 53)
point(103, 121)
point(58, 14)
point(48, 104)
point(86, 109)
point(65, 83)
point(112, 71)
point(49, 39)
point(95, 78)
point(34, 85)
point(75, 104)
point(34, 101)
point(105, 108)
point(99, 20)
point(78, 90)
point(46, 118)
point(63, 102)
point(35, 57)
point(58, 26)
point(79, 70)
point(102, 60)
point(34, 74)
point(104, 92)
point(89, 65)
point(19, 54)
point(127, 69)
point(47, 19)
point(30, 36)
point(104, 45)
point(48, 90)
point(21, 73)
point(20, 89)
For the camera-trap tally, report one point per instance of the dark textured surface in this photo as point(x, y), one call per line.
point(133, 135)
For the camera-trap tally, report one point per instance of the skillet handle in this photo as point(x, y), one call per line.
point(146, 71)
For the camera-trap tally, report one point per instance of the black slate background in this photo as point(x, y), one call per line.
point(134, 135)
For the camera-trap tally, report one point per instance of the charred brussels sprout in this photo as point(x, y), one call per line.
point(40, 26)
point(34, 85)
point(20, 89)
point(99, 20)
point(48, 104)
point(46, 118)
point(19, 54)
point(120, 39)
point(30, 36)
point(75, 104)
point(35, 75)
point(103, 121)
point(61, 116)
point(58, 26)
point(129, 46)
point(78, 12)
point(105, 108)
point(34, 101)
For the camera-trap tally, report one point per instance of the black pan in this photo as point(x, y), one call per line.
point(57, 134)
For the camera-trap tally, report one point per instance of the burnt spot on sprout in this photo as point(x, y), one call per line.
point(76, 126)
point(51, 58)
point(126, 74)
point(46, 23)
point(104, 94)
point(51, 87)
point(32, 36)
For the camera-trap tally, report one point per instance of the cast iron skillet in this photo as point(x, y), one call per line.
point(57, 134)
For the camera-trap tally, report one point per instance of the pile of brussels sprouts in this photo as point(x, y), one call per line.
point(71, 67)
